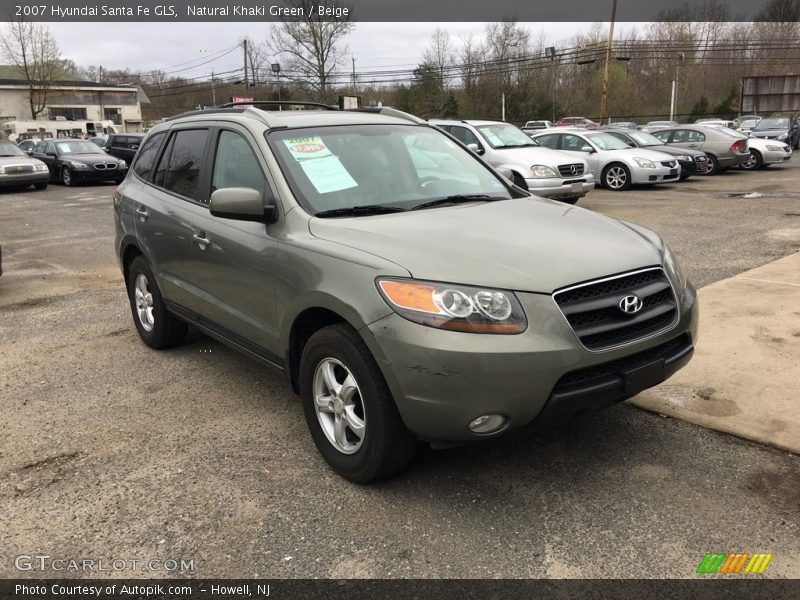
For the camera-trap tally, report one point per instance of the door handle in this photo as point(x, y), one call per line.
point(142, 212)
point(692, 145)
point(201, 240)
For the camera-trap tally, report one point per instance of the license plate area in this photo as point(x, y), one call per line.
point(576, 187)
point(646, 376)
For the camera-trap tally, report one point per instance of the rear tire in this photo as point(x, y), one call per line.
point(344, 393)
point(157, 327)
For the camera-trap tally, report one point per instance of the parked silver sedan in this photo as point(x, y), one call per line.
point(724, 147)
point(19, 169)
point(766, 152)
point(614, 164)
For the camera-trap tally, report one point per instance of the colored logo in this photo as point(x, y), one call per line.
point(733, 563)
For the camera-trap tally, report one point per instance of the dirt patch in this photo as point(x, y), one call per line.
point(40, 474)
point(781, 489)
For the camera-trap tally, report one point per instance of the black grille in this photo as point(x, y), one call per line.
point(669, 163)
point(667, 350)
point(573, 170)
point(593, 309)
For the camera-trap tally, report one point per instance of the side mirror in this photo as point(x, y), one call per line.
point(242, 204)
point(29, 152)
point(475, 148)
point(53, 154)
point(507, 173)
point(588, 149)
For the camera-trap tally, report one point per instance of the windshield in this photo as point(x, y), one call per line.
point(9, 149)
point(397, 166)
point(749, 124)
point(772, 124)
point(76, 147)
point(605, 141)
point(502, 135)
point(643, 138)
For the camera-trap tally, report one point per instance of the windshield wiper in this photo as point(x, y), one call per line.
point(515, 146)
point(456, 199)
point(368, 209)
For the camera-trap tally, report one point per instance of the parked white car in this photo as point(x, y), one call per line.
point(614, 164)
point(544, 172)
point(766, 152)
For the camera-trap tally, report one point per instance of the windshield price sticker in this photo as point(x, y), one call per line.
point(324, 170)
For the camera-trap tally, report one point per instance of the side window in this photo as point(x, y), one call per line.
point(39, 148)
point(464, 135)
point(235, 164)
point(143, 166)
point(696, 136)
point(548, 141)
point(572, 142)
point(662, 135)
point(50, 148)
point(185, 161)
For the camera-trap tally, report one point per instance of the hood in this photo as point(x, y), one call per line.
point(19, 160)
point(525, 244)
point(538, 156)
point(676, 150)
point(654, 155)
point(90, 159)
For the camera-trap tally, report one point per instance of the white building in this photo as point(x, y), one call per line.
point(72, 99)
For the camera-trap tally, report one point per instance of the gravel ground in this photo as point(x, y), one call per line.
point(110, 450)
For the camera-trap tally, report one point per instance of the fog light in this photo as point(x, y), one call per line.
point(487, 423)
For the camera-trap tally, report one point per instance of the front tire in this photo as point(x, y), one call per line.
point(616, 177)
point(66, 177)
point(349, 410)
point(157, 327)
point(754, 162)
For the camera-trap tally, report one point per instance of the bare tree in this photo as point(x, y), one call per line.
point(310, 47)
point(33, 50)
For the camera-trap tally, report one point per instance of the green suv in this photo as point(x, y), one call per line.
point(407, 290)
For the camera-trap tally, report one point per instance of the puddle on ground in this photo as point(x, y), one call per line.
point(749, 195)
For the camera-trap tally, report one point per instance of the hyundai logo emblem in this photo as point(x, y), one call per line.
point(630, 305)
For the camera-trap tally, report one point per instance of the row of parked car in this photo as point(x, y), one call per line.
point(67, 160)
point(565, 163)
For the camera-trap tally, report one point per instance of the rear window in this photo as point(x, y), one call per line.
point(184, 161)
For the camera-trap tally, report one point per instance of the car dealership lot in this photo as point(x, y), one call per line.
point(111, 450)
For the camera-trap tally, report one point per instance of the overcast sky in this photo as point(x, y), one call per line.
point(150, 46)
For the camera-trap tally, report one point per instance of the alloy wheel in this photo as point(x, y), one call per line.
point(144, 303)
point(338, 405)
point(616, 178)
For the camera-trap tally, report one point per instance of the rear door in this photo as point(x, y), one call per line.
point(688, 138)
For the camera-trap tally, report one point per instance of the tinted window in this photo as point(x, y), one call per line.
point(662, 135)
point(143, 166)
point(548, 141)
point(572, 142)
point(235, 164)
point(687, 135)
point(464, 135)
point(185, 161)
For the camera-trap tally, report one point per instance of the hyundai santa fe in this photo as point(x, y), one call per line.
point(408, 291)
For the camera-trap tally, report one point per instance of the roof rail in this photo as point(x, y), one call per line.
point(390, 112)
point(205, 111)
point(277, 103)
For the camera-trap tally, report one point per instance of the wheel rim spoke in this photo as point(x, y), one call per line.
point(348, 388)
point(339, 406)
point(354, 423)
point(339, 431)
point(324, 404)
point(329, 375)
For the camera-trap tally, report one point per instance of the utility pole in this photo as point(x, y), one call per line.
point(244, 45)
point(503, 105)
point(604, 96)
point(550, 52)
point(100, 95)
point(213, 89)
point(354, 76)
point(673, 103)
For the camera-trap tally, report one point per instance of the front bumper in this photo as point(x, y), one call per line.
point(441, 380)
point(556, 187)
point(692, 167)
point(771, 157)
point(25, 178)
point(98, 175)
point(660, 174)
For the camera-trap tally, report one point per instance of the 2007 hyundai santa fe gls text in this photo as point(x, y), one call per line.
point(407, 290)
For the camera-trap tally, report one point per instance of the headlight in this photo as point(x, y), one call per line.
point(2, 170)
point(783, 136)
point(644, 163)
point(543, 171)
point(774, 148)
point(40, 167)
point(684, 158)
point(78, 165)
point(454, 307)
point(674, 269)
point(122, 164)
